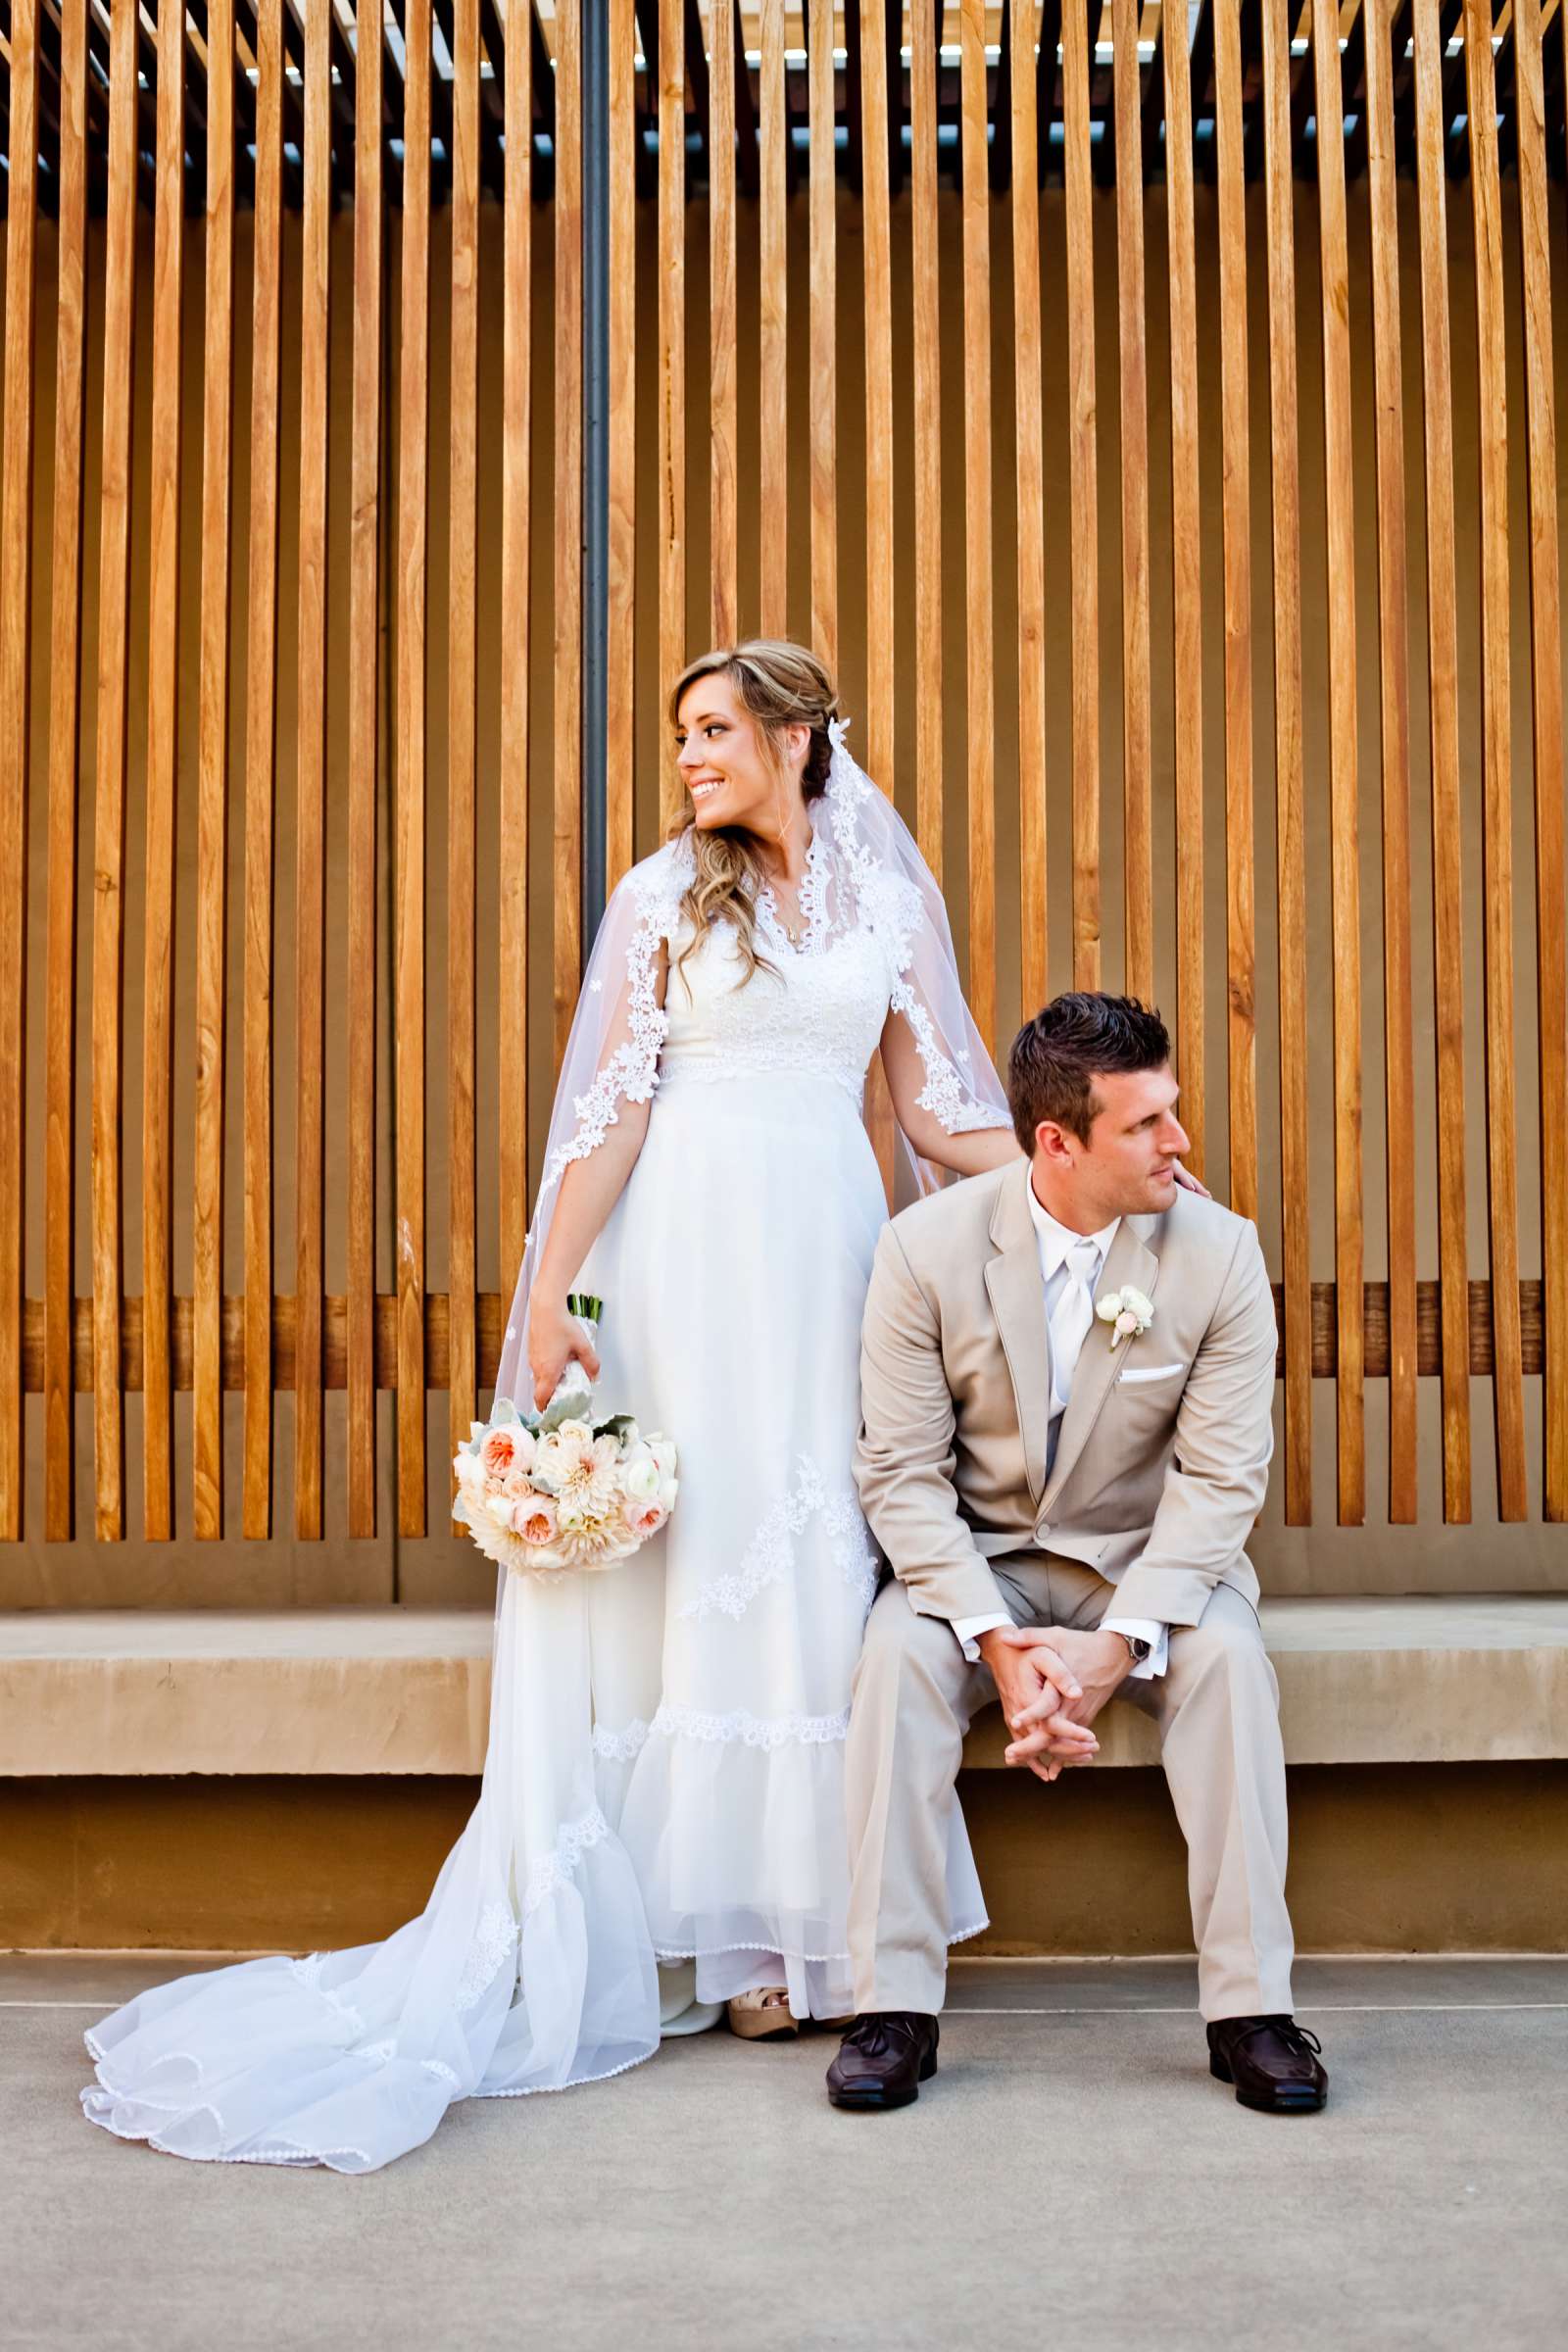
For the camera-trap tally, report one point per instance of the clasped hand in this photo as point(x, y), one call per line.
point(1053, 1681)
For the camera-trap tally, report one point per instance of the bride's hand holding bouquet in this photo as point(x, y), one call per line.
point(567, 1487)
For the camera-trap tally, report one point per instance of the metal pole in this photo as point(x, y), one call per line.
point(595, 452)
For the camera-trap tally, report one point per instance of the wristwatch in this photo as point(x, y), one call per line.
point(1138, 1649)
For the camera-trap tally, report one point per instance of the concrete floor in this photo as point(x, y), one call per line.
point(1072, 2178)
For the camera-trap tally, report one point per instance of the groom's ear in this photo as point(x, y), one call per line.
point(1052, 1143)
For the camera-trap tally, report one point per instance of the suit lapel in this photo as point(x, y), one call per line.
point(1129, 1260)
point(1017, 1301)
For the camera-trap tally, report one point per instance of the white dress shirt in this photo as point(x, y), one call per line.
point(1055, 1242)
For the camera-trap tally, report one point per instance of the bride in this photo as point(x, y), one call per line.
point(660, 1830)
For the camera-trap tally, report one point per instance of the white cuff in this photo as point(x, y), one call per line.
point(967, 1632)
point(1142, 1628)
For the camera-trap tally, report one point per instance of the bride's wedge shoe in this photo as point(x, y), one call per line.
point(764, 2015)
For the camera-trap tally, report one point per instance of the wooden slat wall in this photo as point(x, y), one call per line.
point(1009, 147)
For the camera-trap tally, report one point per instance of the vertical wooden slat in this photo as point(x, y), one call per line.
point(1028, 401)
point(672, 378)
point(16, 712)
point(722, 421)
point(1186, 591)
point(1289, 810)
point(823, 325)
point(1399, 1050)
point(1507, 1381)
point(364, 719)
point(1545, 686)
point(162, 723)
point(260, 719)
point(878, 751)
point(109, 851)
point(568, 932)
point(880, 712)
point(1340, 508)
point(461, 729)
point(772, 523)
point(1138, 849)
point(1239, 950)
point(1443, 690)
point(65, 739)
point(309, 829)
point(622, 647)
point(413, 430)
point(1082, 473)
point(979, 683)
point(512, 821)
point(212, 758)
point(927, 429)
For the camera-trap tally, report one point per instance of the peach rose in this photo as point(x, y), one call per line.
point(535, 1520)
point(644, 1518)
point(498, 1452)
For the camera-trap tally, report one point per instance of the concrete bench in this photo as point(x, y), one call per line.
point(395, 1690)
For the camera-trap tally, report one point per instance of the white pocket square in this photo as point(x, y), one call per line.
point(1151, 1372)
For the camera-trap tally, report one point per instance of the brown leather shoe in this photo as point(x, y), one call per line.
point(885, 2057)
point(1272, 2062)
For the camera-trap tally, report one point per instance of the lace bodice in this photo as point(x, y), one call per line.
point(817, 1011)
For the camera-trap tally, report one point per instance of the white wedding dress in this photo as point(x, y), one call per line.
point(663, 1776)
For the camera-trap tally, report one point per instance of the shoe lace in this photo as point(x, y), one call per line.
point(1300, 2040)
point(876, 2035)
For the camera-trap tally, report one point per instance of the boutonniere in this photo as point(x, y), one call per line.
point(1127, 1311)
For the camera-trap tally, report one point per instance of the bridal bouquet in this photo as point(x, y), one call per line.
point(568, 1488)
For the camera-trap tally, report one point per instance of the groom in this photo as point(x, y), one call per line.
point(1065, 1500)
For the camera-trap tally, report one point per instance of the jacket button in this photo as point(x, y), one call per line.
point(1043, 1530)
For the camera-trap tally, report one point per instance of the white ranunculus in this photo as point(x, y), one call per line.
point(641, 1478)
point(500, 1508)
point(1107, 1306)
point(1142, 1307)
point(470, 1473)
point(663, 1450)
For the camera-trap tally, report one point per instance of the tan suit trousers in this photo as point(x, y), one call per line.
point(1217, 1709)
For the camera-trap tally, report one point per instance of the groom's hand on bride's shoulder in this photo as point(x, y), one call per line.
point(1040, 1698)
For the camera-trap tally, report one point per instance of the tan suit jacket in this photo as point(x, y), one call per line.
point(1162, 1455)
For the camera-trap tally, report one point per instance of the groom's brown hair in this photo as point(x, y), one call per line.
point(1056, 1056)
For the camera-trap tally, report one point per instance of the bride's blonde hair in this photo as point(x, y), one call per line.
point(778, 685)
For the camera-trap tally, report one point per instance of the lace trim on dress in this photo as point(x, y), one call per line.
point(770, 1558)
point(495, 1940)
point(557, 1869)
point(621, 1748)
point(754, 1731)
